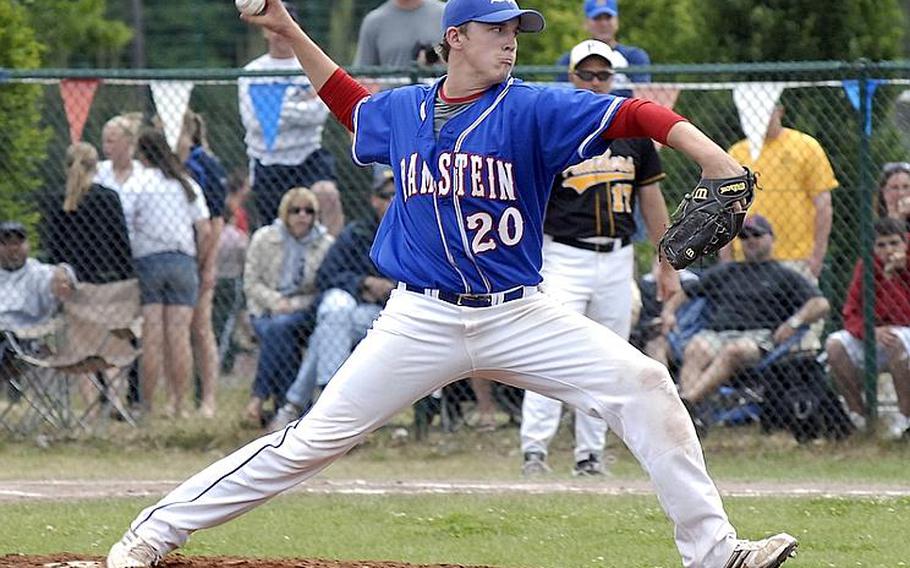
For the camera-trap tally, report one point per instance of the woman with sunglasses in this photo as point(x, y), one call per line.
point(894, 192)
point(280, 286)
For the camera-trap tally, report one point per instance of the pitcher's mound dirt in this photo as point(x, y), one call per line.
point(177, 561)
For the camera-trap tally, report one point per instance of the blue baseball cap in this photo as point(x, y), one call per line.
point(594, 8)
point(458, 12)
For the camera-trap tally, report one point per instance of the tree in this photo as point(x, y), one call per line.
point(794, 30)
point(22, 140)
point(76, 33)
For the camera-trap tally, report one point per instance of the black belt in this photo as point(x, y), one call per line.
point(473, 300)
point(603, 247)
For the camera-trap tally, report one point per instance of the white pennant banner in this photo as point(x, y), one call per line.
point(755, 103)
point(172, 98)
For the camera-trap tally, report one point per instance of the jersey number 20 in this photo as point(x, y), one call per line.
point(510, 229)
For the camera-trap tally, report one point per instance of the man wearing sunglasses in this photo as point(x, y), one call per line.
point(588, 257)
point(753, 305)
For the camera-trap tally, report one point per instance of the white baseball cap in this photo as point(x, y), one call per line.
point(591, 47)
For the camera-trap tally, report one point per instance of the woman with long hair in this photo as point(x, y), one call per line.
point(168, 224)
point(86, 229)
point(193, 149)
point(894, 192)
point(279, 280)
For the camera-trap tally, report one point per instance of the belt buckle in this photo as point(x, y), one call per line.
point(483, 299)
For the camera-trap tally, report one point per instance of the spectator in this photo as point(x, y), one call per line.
point(163, 206)
point(646, 333)
point(602, 23)
point(238, 196)
point(752, 306)
point(86, 228)
point(395, 33)
point(331, 213)
point(228, 297)
point(280, 287)
point(30, 290)
point(894, 192)
point(891, 273)
point(206, 169)
point(796, 181)
point(587, 257)
point(30, 294)
point(353, 294)
point(118, 142)
point(293, 156)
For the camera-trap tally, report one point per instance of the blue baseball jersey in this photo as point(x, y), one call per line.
point(468, 211)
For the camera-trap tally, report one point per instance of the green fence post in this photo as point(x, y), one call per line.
point(866, 196)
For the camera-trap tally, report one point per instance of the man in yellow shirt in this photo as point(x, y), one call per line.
point(796, 180)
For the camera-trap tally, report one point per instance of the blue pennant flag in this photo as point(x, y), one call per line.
point(851, 87)
point(267, 100)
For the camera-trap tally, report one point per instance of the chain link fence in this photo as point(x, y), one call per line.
point(756, 341)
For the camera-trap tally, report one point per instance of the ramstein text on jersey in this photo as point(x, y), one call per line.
point(460, 173)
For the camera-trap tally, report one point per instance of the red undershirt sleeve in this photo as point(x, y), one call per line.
point(341, 93)
point(638, 118)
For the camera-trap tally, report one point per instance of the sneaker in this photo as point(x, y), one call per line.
point(770, 552)
point(589, 467)
point(285, 415)
point(535, 464)
point(132, 552)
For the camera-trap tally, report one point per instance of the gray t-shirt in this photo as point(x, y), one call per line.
point(389, 35)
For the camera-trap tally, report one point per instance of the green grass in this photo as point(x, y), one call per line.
point(543, 531)
point(516, 530)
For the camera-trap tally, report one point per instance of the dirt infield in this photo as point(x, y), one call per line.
point(177, 561)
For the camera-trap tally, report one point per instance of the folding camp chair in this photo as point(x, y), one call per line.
point(93, 338)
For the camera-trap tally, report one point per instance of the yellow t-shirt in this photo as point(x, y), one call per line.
point(793, 169)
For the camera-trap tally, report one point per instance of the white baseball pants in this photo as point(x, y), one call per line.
point(417, 345)
point(599, 286)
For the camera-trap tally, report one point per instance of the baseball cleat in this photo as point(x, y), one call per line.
point(770, 552)
point(589, 467)
point(535, 464)
point(132, 552)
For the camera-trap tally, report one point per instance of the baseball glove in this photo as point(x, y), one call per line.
point(708, 218)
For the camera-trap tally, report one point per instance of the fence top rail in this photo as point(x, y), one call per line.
point(855, 68)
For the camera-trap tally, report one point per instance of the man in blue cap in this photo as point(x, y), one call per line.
point(474, 156)
point(602, 23)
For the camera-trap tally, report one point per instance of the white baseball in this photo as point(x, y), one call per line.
point(250, 7)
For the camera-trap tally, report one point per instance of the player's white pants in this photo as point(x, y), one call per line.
point(417, 345)
point(599, 286)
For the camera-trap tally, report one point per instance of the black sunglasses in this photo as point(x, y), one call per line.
point(386, 194)
point(589, 75)
point(297, 210)
point(750, 235)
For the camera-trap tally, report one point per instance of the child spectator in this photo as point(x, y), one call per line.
point(891, 272)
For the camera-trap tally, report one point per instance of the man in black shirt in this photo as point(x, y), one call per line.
point(587, 257)
point(752, 306)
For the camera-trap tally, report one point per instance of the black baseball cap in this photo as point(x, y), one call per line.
point(755, 225)
point(8, 228)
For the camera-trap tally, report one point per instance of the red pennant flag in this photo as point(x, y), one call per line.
point(77, 97)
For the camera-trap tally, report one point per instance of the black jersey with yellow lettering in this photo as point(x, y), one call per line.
point(596, 198)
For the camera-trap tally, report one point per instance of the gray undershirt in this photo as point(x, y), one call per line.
point(444, 112)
